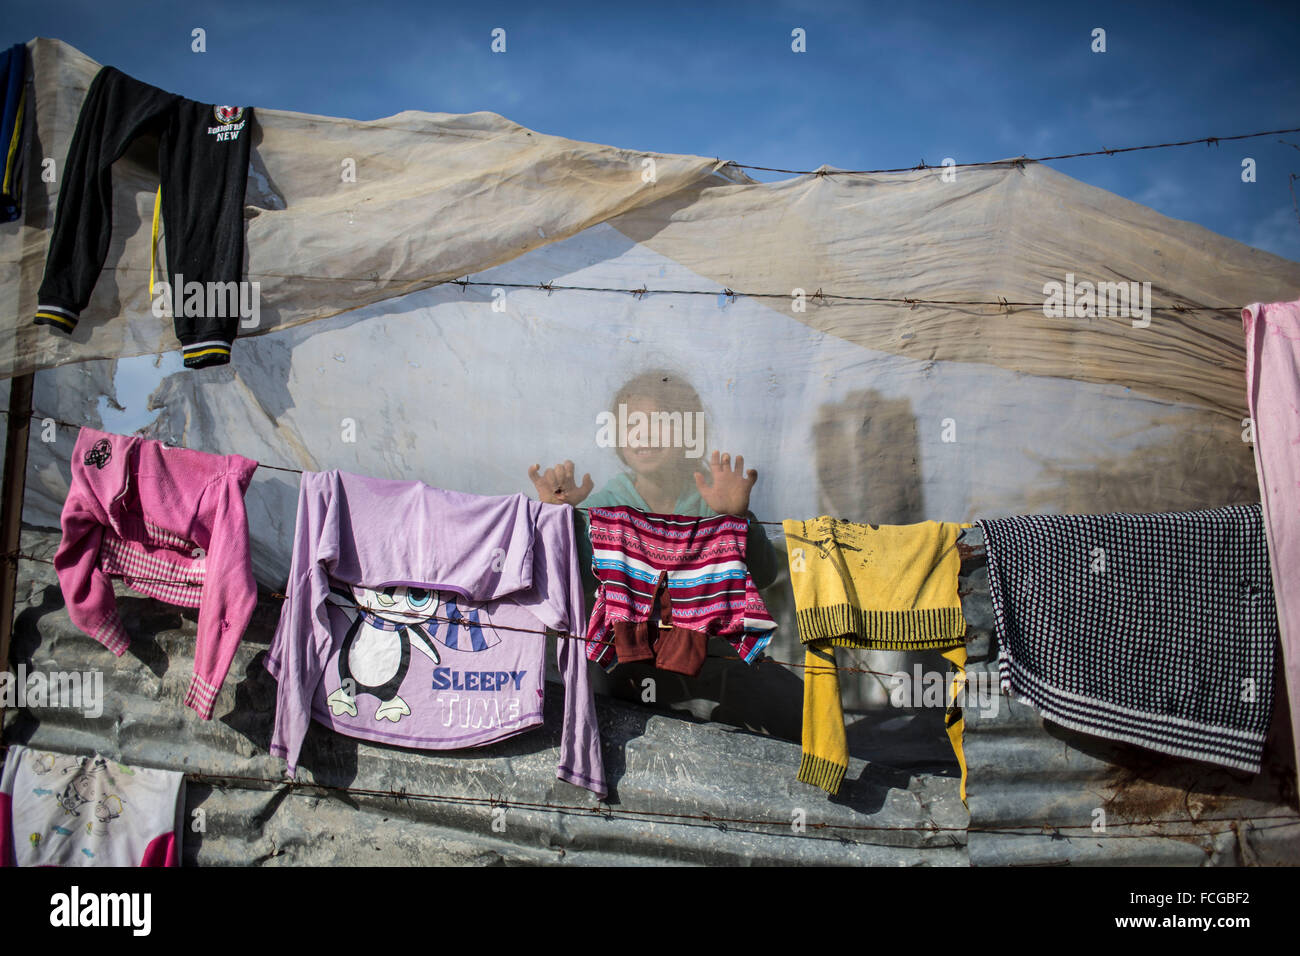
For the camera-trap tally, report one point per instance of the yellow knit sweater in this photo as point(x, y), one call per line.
point(887, 587)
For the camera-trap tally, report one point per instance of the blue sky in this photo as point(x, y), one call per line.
point(881, 85)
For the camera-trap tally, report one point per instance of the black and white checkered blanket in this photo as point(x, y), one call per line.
point(1157, 629)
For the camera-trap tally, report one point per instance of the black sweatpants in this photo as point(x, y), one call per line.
point(203, 162)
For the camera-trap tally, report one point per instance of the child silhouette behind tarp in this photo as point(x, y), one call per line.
point(656, 425)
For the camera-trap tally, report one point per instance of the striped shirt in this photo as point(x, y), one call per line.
point(155, 562)
point(709, 587)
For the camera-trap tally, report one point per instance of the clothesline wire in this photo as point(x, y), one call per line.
point(819, 295)
point(1019, 829)
point(668, 817)
point(37, 416)
point(909, 301)
point(224, 780)
point(1019, 161)
point(465, 622)
point(820, 668)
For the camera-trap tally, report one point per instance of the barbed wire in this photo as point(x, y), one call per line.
point(1001, 303)
point(606, 810)
point(465, 622)
point(909, 301)
point(1017, 161)
point(725, 823)
point(965, 550)
point(38, 416)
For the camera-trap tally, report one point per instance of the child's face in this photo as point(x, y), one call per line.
point(646, 459)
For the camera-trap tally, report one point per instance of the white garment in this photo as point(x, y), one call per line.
point(64, 810)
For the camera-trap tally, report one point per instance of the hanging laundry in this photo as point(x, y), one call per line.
point(407, 616)
point(203, 162)
point(760, 556)
point(667, 583)
point(60, 810)
point(1273, 398)
point(874, 587)
point(1156, 629)
point(169, 522)
point(13, 102)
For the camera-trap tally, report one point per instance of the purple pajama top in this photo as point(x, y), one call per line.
point(397, 623)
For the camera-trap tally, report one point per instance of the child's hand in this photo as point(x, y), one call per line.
point(555, 485)
point(729, 492)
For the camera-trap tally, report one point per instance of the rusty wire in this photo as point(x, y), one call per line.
point(37, 416)
point(965, 550)
point(276, 595)
point(1027, 829)
point(1018, 161)
point(1001, 303)
point(606, 811)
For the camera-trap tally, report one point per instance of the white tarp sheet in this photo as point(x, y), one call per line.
point(883, 411)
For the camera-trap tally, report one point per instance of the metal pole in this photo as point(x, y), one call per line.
point(11, 505)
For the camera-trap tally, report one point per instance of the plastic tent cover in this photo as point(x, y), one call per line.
point(925, 382)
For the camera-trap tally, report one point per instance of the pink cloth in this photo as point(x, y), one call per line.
point(171, 523)
point(1273, 397)
point(162, 851)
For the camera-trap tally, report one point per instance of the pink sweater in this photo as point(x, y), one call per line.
point(1273, 397)
point(170, 522)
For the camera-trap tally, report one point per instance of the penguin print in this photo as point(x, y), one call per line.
point(386, 624)
point(376, 652)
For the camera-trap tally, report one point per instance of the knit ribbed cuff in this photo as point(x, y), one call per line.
point(56, 317)
point(821, 772)
point(201, 697)
point(208, 352)
point(915, 629)
point(112, 634)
